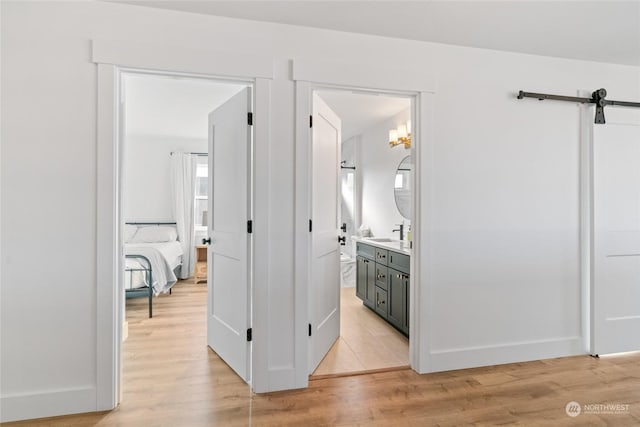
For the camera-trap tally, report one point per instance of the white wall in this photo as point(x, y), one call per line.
point(376, 174)
point(504, 267)
point(146, 182)
point(506, 263)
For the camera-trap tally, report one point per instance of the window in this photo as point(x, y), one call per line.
point(202, 193)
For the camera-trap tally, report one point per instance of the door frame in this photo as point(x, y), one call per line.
point(111, 59)
point(422, 110)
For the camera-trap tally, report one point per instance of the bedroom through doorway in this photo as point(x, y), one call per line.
point(164, 199)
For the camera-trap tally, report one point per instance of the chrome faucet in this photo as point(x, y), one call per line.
point(401, 230)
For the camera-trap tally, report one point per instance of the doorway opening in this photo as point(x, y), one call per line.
point(359, 294)
point(166, 194)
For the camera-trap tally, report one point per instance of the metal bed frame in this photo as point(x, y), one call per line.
point(148, 290)
point(133, 293)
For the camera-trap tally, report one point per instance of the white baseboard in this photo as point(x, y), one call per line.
point(49, 404)
point(474, 357)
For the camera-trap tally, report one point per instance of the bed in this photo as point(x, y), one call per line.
point(153, 257)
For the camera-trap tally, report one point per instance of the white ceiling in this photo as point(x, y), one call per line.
point(172, 106)
point(361, 111)
point(604, 31)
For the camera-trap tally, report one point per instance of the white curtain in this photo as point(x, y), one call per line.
point(183, 177)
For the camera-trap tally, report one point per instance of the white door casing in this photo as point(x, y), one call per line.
point(324, 303)
point(616, 239)
point(228, 269)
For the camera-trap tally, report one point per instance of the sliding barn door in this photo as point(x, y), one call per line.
point(228, 309)
point(616, 240)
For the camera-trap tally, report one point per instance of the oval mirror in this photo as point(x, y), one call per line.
point(402, 188)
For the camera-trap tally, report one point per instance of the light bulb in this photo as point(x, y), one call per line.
point(393, 135)
point(402, 131)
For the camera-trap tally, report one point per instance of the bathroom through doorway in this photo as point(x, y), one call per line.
point(373, 208)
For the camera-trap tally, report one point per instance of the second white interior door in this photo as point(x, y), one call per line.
point(324, 303)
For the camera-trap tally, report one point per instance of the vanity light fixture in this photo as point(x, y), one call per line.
point(401, 135)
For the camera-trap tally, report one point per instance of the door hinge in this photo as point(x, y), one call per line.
point(309, 329)
point(310, 226)
point(250, 226)
point(249, 334)
point(250, 118)
point(310, 121)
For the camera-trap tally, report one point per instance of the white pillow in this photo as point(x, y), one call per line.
point(155, 234)
point(129, 232)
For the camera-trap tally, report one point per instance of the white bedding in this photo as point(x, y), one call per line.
point(164, 258)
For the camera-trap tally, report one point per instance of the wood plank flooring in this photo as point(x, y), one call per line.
point(366, 342)
point(172, 379)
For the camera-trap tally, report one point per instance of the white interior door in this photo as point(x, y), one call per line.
point(228, 308)
point(616, 244)
point(324, 303)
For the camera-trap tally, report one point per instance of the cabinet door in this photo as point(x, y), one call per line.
point(397, 299)
point(361, 278)
point(366, 280)
point(371, 283)
point(406, 305)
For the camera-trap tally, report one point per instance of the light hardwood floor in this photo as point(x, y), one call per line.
point(366, 342)
point(172, 379)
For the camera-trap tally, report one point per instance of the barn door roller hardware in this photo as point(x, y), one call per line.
point(597, 98)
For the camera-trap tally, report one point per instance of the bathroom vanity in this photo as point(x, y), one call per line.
point(382, 278)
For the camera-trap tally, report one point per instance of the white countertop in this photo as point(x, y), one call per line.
point(402, 246)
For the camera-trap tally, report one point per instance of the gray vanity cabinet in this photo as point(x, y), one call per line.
point(382, 283)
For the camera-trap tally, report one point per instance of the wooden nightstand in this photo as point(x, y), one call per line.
point(201, 264)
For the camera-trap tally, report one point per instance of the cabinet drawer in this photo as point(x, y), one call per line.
point(400, 262)
point(366, 251)
point(382, 274)
point(381, 302)
point(381, 256)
